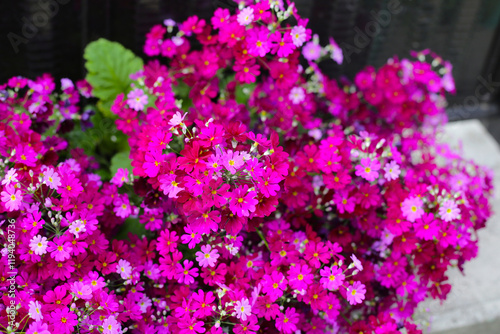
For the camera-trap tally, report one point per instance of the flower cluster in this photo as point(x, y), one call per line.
point(273, 198)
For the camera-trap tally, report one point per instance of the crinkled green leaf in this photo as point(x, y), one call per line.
point(109, 66)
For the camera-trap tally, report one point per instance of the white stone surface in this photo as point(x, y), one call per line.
point(475, 297)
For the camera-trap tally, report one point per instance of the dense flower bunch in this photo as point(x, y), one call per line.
point(274, 198)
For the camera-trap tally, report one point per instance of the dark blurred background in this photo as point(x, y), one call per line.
point(38, 36)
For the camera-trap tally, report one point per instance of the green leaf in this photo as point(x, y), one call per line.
point(243, 92)
point(120, 160)
point(133, 226)
point(109, 66)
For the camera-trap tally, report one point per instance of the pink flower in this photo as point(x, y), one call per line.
point(39, 245)
point(311, 51)
point(12, 198)
point(287, 322)
point(299, 35)
point(412, 208)
point(120, 177)
point(207, 257)
point(111, 326)
point(243, 309)
point(243, 201)
point(38, 328)
point(137, 99)
point(331, 277)
point(51, 178)
point(356, 262)
point(448, 210)
point(391, 171)
point(124, 269)
point(77, 227)
point(337, 54)
point(297, 95)
point(184, 273)
point(35, 310)
point(169, 185)
point(177, 119)
point(245, 16)
point(368, 169)
point(355, 293)
point(10, 177)
point(81, 290)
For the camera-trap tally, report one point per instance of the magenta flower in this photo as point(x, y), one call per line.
point(448, 210)
point(221, 15)
point(70, 186)
point(281, 45)
point(232, 161)
point(355, 293)
point(191, 237)
point(167, 242)
point(269, 183)
point(243, 201)
point(59, 249)
point(257, 41)
point(154, 159)
point(38, 328)
point(274, 285)
point(300, 276)
point(64, 320)
point(243, 309)
point(207, 257)
point(332, 277)
point(412, 208)
point(287, 322)
point(246, 72)
point(11, 198)
point(190, 326)
point(202, 303)
point(184, 273)
point(368, 169)
point(427, 227)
